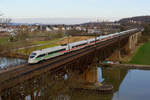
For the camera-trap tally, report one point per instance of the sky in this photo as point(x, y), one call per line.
point(95, 9)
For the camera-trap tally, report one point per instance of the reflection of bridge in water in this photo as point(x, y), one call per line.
point(114, 76)
point(57, 86)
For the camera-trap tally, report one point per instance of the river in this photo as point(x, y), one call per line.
point(10, 62)
point(129, 84)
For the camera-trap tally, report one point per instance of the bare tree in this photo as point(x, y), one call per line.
point(4, 21)
point(1, 19)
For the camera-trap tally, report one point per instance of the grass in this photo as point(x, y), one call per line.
point(4, 40)
point(46, 42)
point(30, 50)
point(142, 56)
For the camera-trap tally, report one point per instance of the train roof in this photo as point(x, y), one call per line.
point(43, 51)
point(129, 30)
point(79, 42)
point(92, 39)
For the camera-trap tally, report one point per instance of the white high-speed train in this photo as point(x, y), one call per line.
point(39, 55)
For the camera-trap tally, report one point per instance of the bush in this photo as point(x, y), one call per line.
point(146, 31)
point(54, 35)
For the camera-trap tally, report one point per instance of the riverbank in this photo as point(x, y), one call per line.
point(137, 59)
point(7, 63)
point(96, 87)
point(129, 66)
point(142, 56)
point(126, 59)
point(14, 55)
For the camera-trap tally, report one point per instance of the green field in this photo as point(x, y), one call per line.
point(26, 51)
point(4, 40)
point(30, 50)
point(143, 55)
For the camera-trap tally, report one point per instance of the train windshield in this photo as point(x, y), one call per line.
point(32, 55)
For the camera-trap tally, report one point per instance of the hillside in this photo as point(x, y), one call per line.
point(139, 19)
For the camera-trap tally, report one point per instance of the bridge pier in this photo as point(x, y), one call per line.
point(90, 75)
point(124, 47)
point(132, 42)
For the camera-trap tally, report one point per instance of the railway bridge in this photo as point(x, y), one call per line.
point(111, 49)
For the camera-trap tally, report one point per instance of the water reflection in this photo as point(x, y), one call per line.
point(9, 62)
point(100, 78)
point(135, 86)
point(128, 85)
point(114, 76)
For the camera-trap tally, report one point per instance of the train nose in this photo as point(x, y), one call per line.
point(30, 61)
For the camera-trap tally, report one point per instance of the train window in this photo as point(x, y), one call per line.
point(61, 50)
point(84, 43)
point(92, 41)
point(32, 55)
point(63, 44)
point(74, 46)
point(41, 55)
point(56, 51)
point(79, 45)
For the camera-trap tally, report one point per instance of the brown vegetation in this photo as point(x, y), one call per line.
point(145, 34)
point(73, 39)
